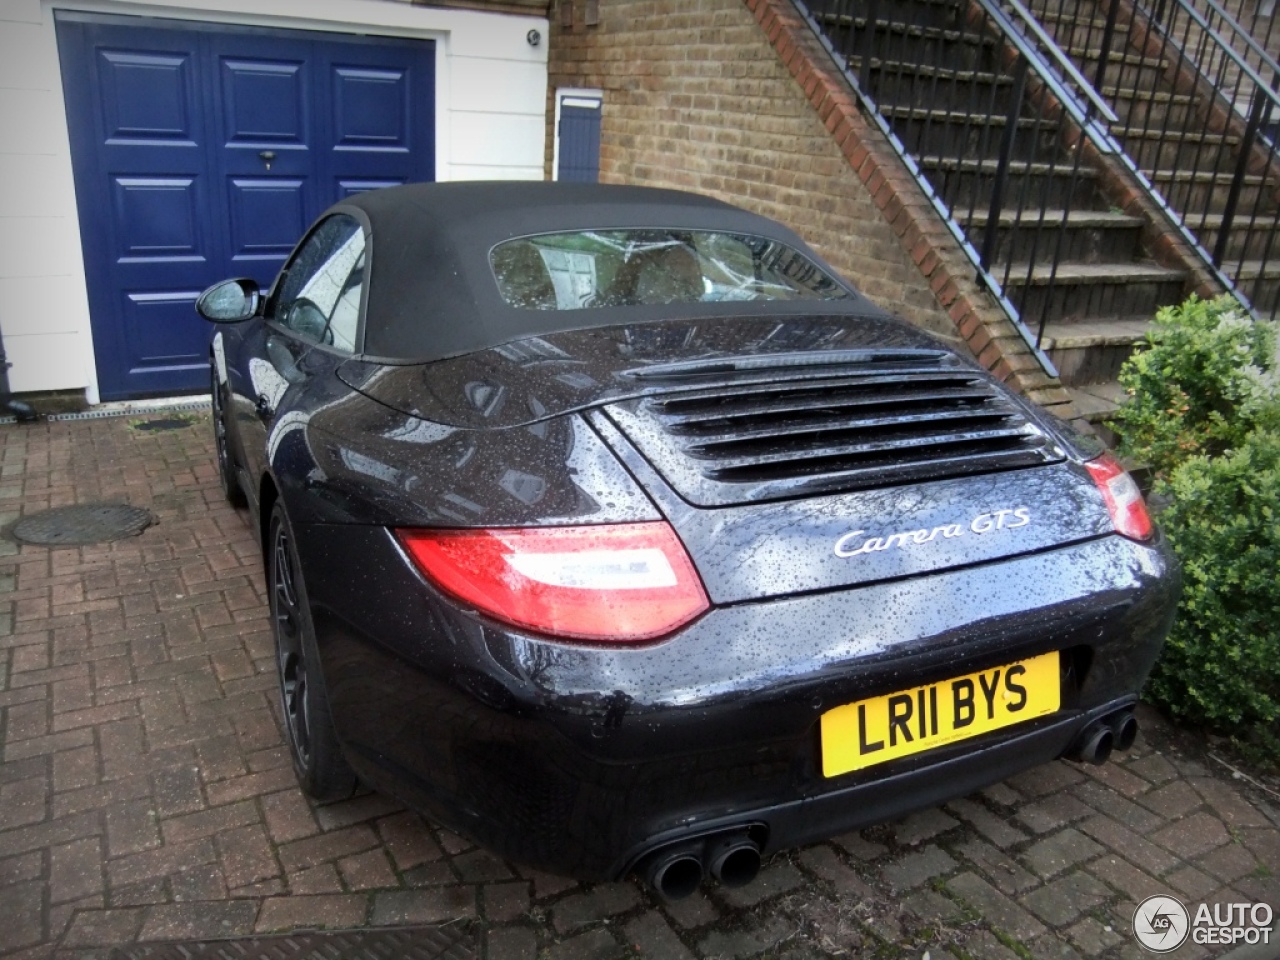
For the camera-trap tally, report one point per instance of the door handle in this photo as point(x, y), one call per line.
point(263, 406)
point(267, 157)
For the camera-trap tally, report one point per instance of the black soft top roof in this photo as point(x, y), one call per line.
point(432, 293)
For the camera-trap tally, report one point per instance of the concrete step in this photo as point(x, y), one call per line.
point(902, 84)
point(959, 133)
point(1247, 241)
point(967, 183)
point(1154, 148)
point(1151, 108)
point(1092, 352)
point(1085, 292)
point(1087, 236)
point(1201, 190)
point(947, 47)
point(1123, 68)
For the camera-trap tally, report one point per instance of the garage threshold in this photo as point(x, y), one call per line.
point(129, 408)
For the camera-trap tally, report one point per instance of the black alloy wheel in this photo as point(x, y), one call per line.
point(226, 469)
point(317, 756)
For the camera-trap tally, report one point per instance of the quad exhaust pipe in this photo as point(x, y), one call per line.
point(677, 871)
point(1095, 743)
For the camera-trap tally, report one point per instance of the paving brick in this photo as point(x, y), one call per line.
point(826, 863)
point(1052, 812)
point(75, 768)
point(1192, 883)
point(246, 855)
point(1172, 800)
point(320, 879)
point(1107, 801)
point(423, 906)
point(1057, 852)
point(595, 945)
point(91, 928)
point(131, 827)
point(75, 870)
point(650, 936)
point(201, 882)
point(288, 816)
point(1093, 937)
point(598, 903)
point(20, 906)
point(178, 790)
point(367, 871)
point(745, 942)
point(997, 866)
point(775, 878)
point(333, 911)
point(692, 912)
point(511, 943)
point(197, 921)
point(922, 826)
point(1193, 835)
point(326, 846)
point(994, 906)
point(408, 839)
point(916, 868)
point(502, 902)
point(205, 823)
point(997, 829)
point(1122, 840)
point(1063, 900)
point(1228, 803)
point(480, 865)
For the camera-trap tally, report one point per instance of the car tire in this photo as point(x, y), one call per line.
point(222, 444)
point(317, 757)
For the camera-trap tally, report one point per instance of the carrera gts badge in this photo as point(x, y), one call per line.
point(983, 523)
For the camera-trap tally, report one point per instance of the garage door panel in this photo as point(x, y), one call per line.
point(161, 329)
point(147, 96)
point(157, 219)
point(268, 216)
point(370, 109)
point(265, 102)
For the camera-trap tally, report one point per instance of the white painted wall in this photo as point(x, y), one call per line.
point(490, 124)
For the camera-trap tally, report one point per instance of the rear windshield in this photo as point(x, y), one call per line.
point(618, 268)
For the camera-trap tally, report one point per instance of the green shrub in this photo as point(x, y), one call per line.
point(1203, 410)
point(1205, 378)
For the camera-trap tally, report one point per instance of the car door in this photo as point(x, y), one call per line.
point(312, 323)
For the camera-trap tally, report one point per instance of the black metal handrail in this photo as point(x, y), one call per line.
point(986, 114)
point(1198, 103)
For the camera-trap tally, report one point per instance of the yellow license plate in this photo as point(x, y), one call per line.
point(860, 735)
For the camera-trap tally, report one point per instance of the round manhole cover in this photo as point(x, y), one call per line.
point(82, 524)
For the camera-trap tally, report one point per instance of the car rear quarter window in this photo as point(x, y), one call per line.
point(618, 268)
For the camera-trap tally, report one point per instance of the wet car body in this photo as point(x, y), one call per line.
point(829, 581)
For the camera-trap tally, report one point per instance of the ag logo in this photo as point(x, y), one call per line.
point(1161, 924)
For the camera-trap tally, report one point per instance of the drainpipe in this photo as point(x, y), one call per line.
point(22, 411)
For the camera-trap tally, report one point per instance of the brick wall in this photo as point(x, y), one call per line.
point(696, 98)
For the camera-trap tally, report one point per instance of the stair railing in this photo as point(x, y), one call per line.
point(1211, 163)
point(999, 160)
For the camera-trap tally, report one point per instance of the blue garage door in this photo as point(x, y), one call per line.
point(202, 152)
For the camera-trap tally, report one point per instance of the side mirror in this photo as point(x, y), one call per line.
point(229, 301)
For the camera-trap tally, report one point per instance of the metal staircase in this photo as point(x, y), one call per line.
point(981, 110)
point(1197, 111)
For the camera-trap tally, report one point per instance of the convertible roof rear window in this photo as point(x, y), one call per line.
point(619, 268)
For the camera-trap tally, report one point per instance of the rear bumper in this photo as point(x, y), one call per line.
point(578, 760)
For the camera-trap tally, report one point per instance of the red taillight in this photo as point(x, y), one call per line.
point(617, 584)
point(1122, 497)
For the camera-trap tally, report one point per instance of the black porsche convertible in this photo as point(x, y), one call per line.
point(611, 528)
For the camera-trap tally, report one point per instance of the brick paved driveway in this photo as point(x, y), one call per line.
point(145, 793)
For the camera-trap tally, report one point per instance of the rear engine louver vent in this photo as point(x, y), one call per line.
point(771, 430)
